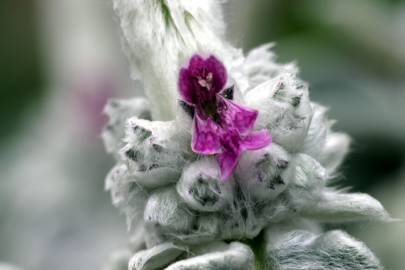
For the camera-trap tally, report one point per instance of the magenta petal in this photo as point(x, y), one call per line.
point(218, 71)
point(205, 137)
point(237, 116)
point(186, 87)
point(227, 163)
point(195, 64)
point(256, 140)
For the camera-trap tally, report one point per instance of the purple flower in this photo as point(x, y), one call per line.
point(221, 126)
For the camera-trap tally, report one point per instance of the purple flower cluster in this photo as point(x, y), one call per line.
point(221, 127)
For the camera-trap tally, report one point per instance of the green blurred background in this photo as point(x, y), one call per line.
point(21, 72)
point(352, 53)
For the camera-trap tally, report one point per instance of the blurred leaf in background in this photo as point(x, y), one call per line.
point(21, 74)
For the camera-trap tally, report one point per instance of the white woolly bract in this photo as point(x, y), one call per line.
point(156, 257)
point(126, 194)
point(262, 173)
point(201, 188)
point(260, 66)
point(154, 152)
point(284, 109)
point(165, 209)
point(118, 111)
point(236, 256)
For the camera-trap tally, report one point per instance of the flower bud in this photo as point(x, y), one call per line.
point(118, 111)
point(201, 188)
point(285, 109)
point(126, 194)
point(260, 65)
point(206, 228)
point(261, 173)
point(318, 130)
point(155, 152)
point(165, 210)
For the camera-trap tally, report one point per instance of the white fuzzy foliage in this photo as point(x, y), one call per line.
point(126, 194)
point(302, 250)
point(260, 66)
point(154, 152)
point(183, 211)
point(268, 177)
point(336, 207)
point(155, 257)
point(200, 187)
point(322, 143)
point(335, 149)
point(118, 112)
point(285, 109)
point(236, 256)
point(166, 210)
point(318, 131)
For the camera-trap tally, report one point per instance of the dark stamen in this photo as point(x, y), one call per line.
point(228, 93)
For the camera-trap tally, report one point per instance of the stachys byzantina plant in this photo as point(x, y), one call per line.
point(226, 164)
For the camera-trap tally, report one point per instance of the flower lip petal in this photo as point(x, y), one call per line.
point(256, 140)
point(234, 115)
point(205, 136)
point(227, 161)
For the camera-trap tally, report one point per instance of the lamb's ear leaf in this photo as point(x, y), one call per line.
point(337, 207)
point(155, 257)
point(334, 250)
point(228, 92)
point(235, 256)
point(188, 109)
